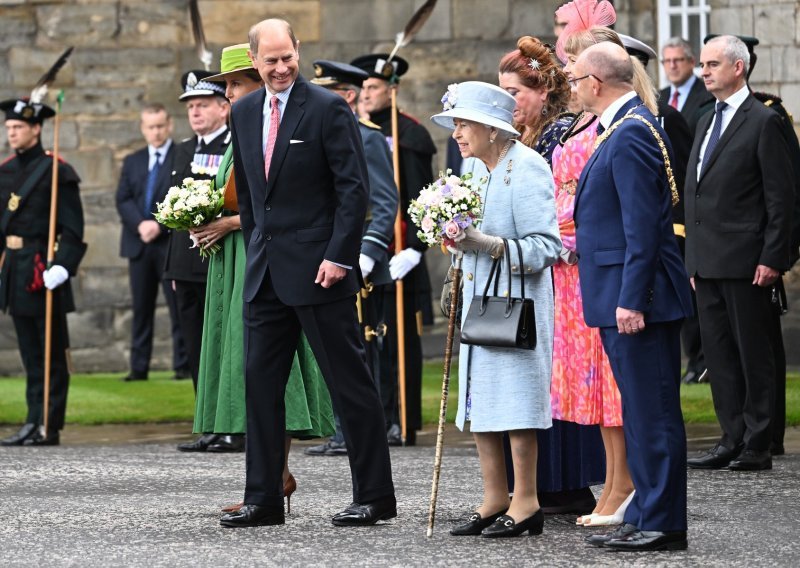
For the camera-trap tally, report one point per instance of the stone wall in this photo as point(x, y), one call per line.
point(128, 52)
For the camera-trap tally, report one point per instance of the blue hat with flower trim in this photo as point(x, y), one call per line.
point(479, 102)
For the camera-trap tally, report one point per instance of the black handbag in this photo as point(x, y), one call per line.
point(501, 321)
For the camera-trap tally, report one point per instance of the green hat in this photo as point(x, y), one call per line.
point(234, 58)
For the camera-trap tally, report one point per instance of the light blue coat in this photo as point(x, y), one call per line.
point(503, 389)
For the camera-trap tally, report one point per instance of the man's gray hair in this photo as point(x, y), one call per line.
point(733, 49)
point(688, 52)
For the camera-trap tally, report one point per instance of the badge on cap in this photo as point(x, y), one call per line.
point(13, 202)
point(27, 113)
point(191, 80)
point(382, 67)
point(317, 71)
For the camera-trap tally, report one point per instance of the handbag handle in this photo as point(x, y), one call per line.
point(492, 270)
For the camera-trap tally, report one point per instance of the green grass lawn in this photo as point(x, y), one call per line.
point(103, 398)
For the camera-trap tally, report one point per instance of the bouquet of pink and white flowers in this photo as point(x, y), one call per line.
point(446, 207)
point(194, 203)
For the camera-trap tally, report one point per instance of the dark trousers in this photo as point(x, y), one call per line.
point(737, 322)
point(190, 298)
point(389, 372)
point(271, 334)
point(647, 368)
point(779, 416)
point(30, 335)
point(145, 277)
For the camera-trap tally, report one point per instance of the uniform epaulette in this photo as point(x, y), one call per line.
point(61, 159)
point(411, 118)
point(368, 123)
point(187, 139)
point(767, 98)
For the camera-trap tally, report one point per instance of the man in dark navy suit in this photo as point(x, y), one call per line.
point(143, 183)
point(301, 182)
point(636, 291)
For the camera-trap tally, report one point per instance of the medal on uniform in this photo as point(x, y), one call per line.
point(13, 202)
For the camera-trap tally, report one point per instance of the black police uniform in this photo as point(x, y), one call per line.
point(25, 190)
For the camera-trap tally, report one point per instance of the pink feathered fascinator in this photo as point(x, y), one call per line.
point(581, 15)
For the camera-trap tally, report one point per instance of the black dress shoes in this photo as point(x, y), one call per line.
point(227, 444)
point(475, 524)
point(623, 530)
point(752, 460)
point(181, 374)
point(253, 516)
point(329, 448)
point(776, 449)
point(134, 376)
point(22, 434)
point(362, 515)
point(692, 376)
point(393, 437)
point(39, 439)
point(639, 541)
point(201, 444)
point(505, 526)
point(716, 458)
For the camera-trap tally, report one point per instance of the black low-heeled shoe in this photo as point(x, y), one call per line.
point(505, 526)
point(475, 524)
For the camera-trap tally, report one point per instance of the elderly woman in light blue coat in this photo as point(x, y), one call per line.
point(504, 389)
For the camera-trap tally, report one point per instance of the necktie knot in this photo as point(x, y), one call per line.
point(274, 102)
point(157, 155)
point(721, 106)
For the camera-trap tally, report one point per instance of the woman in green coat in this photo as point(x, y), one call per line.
point(220, 406)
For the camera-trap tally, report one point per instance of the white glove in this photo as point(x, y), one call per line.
point(55, 276)
point(403, 262)
point(367, 263)
point(474, 240)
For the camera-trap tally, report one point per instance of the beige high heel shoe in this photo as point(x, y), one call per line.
point(608, 520)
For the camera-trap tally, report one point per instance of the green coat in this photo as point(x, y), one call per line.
point(26, 214)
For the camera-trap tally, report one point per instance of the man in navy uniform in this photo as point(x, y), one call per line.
point(143, 183)
point(346, 80)
point(25, 189)
point(407, 263)
point(197, 157)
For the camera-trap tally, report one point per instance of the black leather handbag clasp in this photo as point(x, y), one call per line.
point(501, 321)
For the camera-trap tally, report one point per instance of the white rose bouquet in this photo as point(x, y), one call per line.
point(194, 203)
point(446, 207)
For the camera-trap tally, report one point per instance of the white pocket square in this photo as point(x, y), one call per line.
point(296, 141)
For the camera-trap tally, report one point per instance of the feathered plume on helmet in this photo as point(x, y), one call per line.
point(581, 15)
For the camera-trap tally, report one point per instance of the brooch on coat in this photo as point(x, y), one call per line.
point(509, 167)
point(13, 202)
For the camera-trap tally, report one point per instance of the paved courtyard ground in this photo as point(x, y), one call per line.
point(122, 496)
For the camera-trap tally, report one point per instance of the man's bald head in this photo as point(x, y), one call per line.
point(610, 63)
point(272, 25)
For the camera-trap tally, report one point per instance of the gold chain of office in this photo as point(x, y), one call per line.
point(667, 164)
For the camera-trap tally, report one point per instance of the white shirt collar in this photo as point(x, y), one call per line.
point(737, 98)
point(283, 97)
point(162, 150)
point(686, 87)
point(208, 138)
point(608, 115)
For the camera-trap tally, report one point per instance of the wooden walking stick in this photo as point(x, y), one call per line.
point(455, 292)
point(402, 39)
point(51, 245)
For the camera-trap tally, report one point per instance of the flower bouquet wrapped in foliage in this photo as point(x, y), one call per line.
point(446, 207)
point(194, 203)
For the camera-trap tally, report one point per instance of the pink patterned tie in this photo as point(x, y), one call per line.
point(274, 123)
point(674, 102)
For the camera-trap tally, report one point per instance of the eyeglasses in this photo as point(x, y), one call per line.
point(674, 60)
point(574, 80)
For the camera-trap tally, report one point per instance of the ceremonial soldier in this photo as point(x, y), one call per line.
point(416, 150)
point(346, 80)
point(25, 191)
point(197, 157)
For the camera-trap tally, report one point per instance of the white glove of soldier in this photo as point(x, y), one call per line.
point(55, 276)
point(367, 263)
point(403, 262)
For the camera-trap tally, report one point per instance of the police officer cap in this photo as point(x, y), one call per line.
point(23, 109)
point(750, 41)
point(637, 48)
point(194, 84)
point(329, 73)
point(375, 64)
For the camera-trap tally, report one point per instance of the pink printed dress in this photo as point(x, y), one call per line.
point(583, 389)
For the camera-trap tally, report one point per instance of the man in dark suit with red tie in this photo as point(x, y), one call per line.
point(686, 92)
point(739, 201)
point(143, 183)
point(301, 181)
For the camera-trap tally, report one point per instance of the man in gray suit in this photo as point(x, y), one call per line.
point(346, 80)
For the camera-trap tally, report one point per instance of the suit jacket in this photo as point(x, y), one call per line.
point(680, 139)
point(314, 204)
point(130, 199)
point(183, 262)
point(628, 255)
point(698, 97)
point(739, 214)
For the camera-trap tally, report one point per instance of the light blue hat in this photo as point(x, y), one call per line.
point(479, 102)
